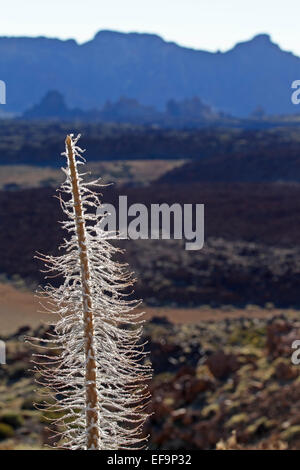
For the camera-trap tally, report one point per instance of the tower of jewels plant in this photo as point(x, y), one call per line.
point(93, 366)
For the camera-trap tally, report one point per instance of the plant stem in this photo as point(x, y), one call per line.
point(92, 428)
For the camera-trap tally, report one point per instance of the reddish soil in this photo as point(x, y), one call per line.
point(19, 308)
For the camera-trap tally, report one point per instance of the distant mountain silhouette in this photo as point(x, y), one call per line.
point(125, 110)
point(255, 73)
point(52, 106)
point(128, 110)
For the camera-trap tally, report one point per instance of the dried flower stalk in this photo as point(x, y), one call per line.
point(96, 373)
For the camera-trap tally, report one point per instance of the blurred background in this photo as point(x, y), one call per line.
point(177, 102)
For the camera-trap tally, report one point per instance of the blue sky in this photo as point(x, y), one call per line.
point(202, 24)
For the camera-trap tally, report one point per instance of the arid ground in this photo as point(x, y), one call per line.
point(19, 307)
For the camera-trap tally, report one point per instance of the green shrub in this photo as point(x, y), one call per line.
point(6, 431)
point(291, 433)
point(12, 418)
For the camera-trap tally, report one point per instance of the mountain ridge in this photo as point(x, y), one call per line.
point(147, 68)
